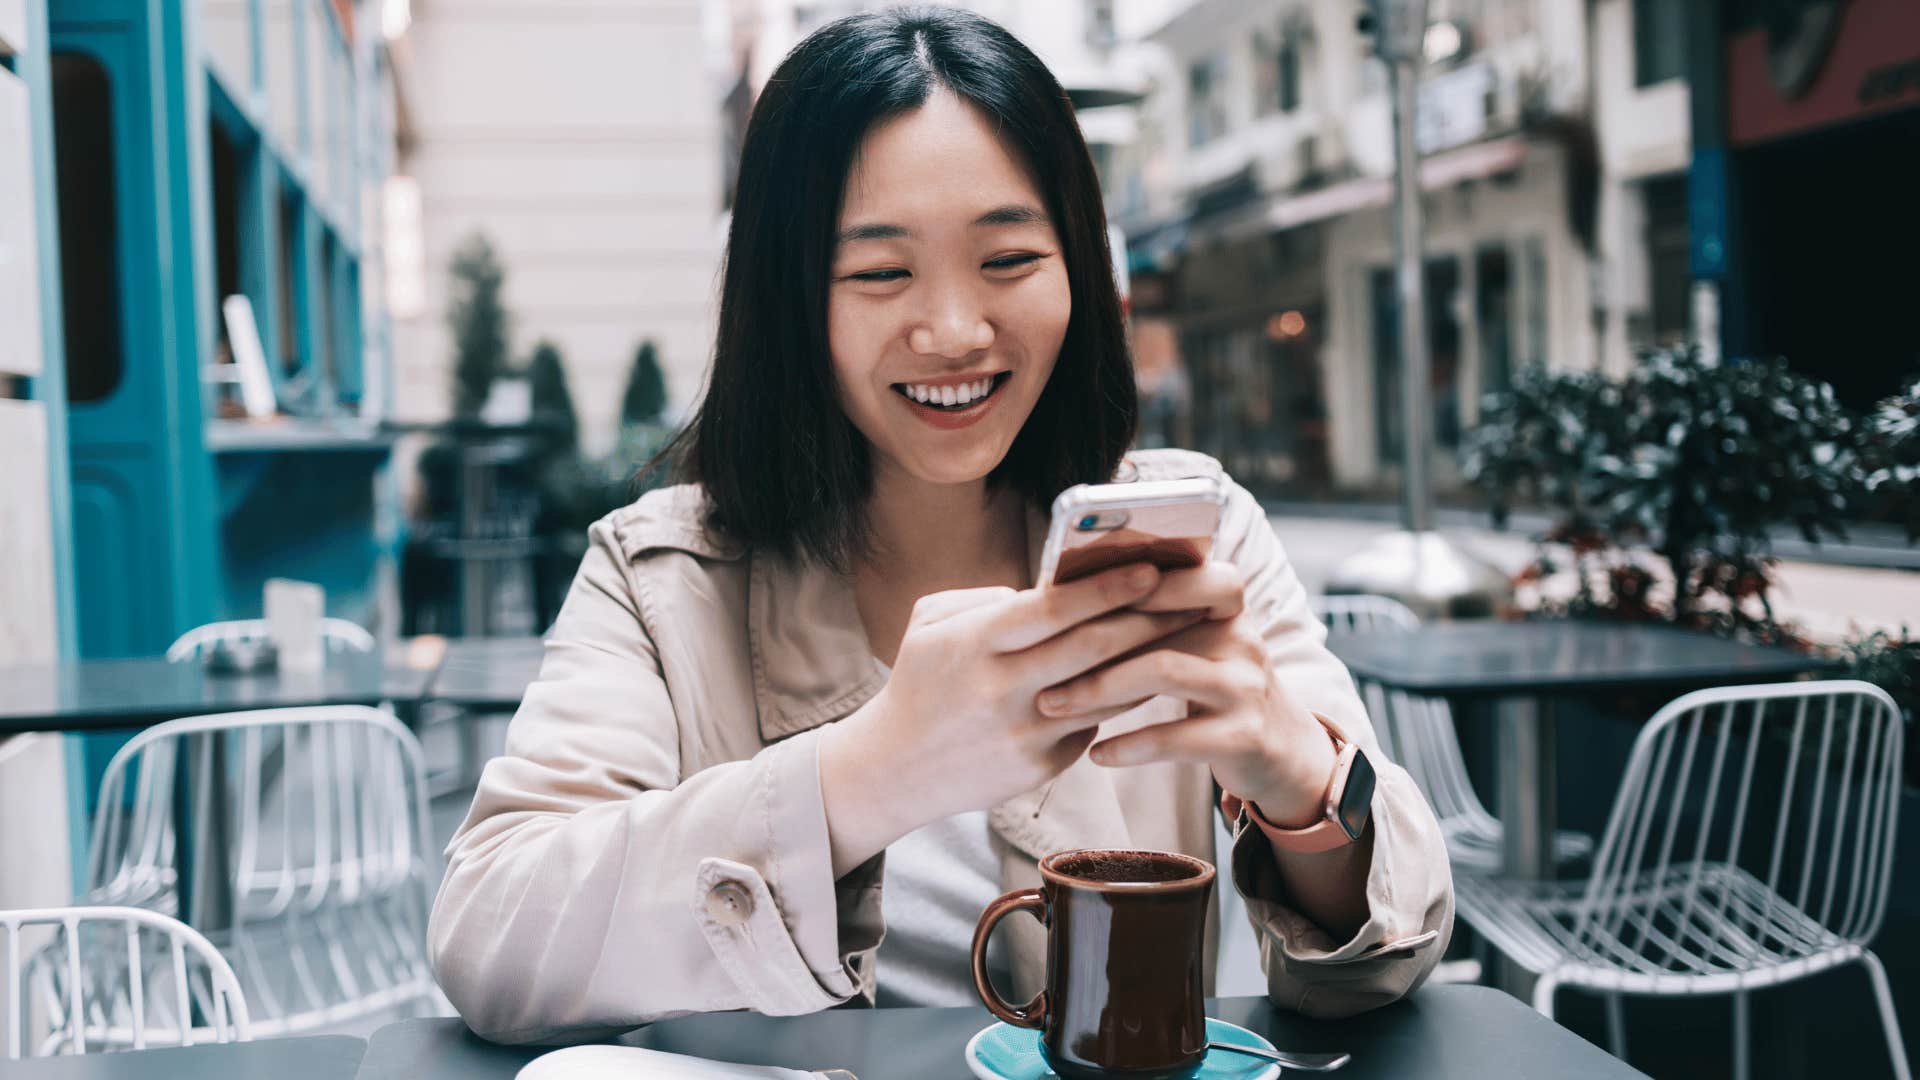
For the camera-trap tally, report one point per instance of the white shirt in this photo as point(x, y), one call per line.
point(939, 878)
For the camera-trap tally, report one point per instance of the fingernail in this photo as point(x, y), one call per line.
point(1053, 701)
point(1141, 577)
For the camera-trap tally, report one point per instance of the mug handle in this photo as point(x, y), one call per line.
point(1034, 1013)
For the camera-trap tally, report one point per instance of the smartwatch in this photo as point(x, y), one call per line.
point(1346, 808)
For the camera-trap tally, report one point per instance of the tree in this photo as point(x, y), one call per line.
point(479, 324)
point(646, 397)
point(552, 402)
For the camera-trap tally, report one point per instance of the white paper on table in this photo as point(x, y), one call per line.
point(294, 610)
point(634, 1063)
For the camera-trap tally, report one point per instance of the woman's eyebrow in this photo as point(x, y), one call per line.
point(1010, 214)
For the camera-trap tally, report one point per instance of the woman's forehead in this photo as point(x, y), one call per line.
point(942, 160)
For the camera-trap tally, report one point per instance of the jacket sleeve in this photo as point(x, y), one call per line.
point(593, 888)
point(1409, 885)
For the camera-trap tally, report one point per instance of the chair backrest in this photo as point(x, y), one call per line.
point(338, 635)
point(321, 806)
point(114, 975)
point(1361, 612)
point(1783, 796)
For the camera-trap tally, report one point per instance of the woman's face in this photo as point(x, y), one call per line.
point(949, 294)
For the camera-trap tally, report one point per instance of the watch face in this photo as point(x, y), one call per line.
point(1356, 802)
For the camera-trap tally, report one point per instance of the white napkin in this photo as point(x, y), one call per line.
point(635, 1063)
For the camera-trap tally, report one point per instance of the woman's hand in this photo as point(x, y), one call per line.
point(955, 728)
point(1260, 744)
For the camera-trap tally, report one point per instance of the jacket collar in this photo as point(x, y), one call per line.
point(812, 664)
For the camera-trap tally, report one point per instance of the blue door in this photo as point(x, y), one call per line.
point(144, 523)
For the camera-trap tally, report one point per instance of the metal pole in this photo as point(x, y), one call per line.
point(1416, 391)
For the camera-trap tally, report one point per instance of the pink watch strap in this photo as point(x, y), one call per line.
point(1323, 835)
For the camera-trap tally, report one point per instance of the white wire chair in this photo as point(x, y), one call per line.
point(148, 980)
point(338, 635)
point(1419, 733)
point(309, 827)
point(1751, 844)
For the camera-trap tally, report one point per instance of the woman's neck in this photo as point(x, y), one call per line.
point(927, 538)
point(956, 535)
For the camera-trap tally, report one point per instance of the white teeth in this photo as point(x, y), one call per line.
point(963, 394)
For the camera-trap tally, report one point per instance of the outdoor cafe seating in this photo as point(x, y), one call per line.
point(266, 875)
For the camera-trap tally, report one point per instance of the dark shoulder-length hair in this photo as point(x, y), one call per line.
point(782, 465)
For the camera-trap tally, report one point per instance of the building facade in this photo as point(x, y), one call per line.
point(581, 138)
point(1261, 243)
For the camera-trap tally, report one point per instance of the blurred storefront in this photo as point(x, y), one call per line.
point(1271, 226)
point(1823, 121)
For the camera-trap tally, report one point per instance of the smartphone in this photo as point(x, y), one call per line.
point(1169, 523)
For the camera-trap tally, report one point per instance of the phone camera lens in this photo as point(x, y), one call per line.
point(1089, 521)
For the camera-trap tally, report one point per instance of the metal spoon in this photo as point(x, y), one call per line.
point(1303, 1062)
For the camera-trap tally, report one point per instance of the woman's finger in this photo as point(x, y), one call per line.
point(1036, 615)
point(1093, 643)
point(1202, 739)
point(1216, 588)
point(934, 607)
point(1197, 679)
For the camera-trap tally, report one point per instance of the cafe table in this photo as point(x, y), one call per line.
point(487, 673)
point(320, 1057)
point(138, 692)
point(1523, 668)
point(1440, 1033)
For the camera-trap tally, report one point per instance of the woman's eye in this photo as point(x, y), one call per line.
point(879, 275)
point(1012, 262)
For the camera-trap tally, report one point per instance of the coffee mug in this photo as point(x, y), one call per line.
point(1125, 934)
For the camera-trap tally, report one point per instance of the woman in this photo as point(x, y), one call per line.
point(813, 699)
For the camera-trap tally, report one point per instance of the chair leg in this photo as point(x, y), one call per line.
point(1543, 989)
point(1883, 996)
point(1742, 1034)
point(1616, 1027)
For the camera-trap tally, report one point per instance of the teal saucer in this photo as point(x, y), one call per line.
point(1005, 1052)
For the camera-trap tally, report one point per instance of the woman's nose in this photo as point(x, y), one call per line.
point(954, 325)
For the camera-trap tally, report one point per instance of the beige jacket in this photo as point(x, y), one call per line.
point(653, 842)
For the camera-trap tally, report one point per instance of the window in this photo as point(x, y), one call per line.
point(1659, 41)
point(1101, 32)
point(86, 172)
point(1206, 100)
point(1533, 255)
point(1493, 313)
point(1669, 269)
point(226, 220)
point(1444, 341)
point(1277, 64)
point(289, 283)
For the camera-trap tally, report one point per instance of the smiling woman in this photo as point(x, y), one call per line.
point(932, 222)
point(813, 697)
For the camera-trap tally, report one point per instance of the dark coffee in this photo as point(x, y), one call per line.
point(1125, 933)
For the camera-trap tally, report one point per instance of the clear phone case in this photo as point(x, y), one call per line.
point(1169, 523)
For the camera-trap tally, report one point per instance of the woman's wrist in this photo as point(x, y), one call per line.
point(868, 796)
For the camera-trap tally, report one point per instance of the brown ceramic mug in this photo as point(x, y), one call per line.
point(1125, 933)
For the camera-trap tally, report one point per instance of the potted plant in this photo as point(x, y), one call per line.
point(1667, 484)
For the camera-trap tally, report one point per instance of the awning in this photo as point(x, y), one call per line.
point(1437, 172)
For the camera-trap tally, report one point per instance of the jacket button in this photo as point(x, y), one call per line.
point(728, 904)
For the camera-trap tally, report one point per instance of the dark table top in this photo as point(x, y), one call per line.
point(325, 1057)
point(1560, 656)
point(89, 695)
point(1441, 1033)
point(487, 673)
